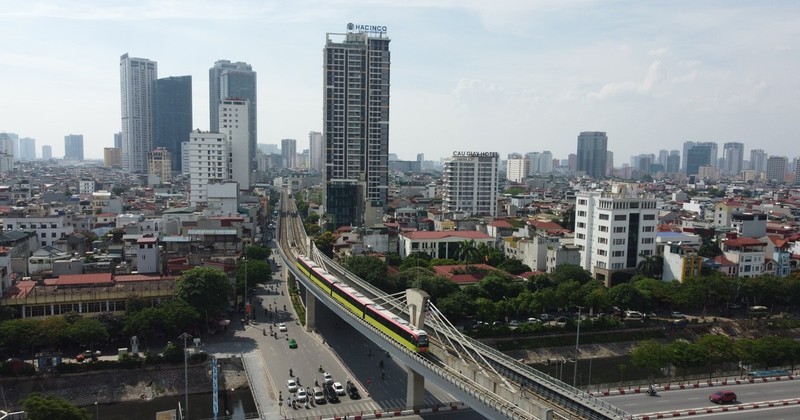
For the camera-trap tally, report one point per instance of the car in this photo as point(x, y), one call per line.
point(292, 344)
point(721, 397)
point(352, 391)
point(330, 393)
point(513, 323)
point(301, 395)
point(282, 327)
point(676, 314)
point(337, 386)
point(319, 396)
point(291, 384)
point(327, 378)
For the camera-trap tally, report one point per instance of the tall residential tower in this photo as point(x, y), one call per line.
point(137, 86)
point(356, 126)
point(173, 115)
point(592, 148)
point(237, 80)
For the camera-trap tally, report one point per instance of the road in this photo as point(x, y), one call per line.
point(695, 398)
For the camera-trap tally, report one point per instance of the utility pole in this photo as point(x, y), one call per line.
point(577, 342)
point(185, 336)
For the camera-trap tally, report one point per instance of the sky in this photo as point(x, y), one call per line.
point(470, 75)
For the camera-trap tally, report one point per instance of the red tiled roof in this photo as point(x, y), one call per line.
point(81, 279)
point(501, 223)
point(141, 277)
point(147, 240)
point(723, 261)
point(743, 241)
point(440, 234)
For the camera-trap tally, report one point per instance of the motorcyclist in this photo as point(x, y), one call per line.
point(651, 390)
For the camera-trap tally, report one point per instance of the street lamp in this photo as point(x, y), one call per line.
point(589, 382)
point(185, 336)
point(577, 341)
point(246, 314)
point(97, 411)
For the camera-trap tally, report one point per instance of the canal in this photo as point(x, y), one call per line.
point(238, 405)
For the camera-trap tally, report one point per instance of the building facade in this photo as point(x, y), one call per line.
point(27, 148)
point(592, 153)
point(471, 183)
point(47, 152)
point(356, 121)
point(137, 84)
point(173, 115)
point(112, 157)
point(289, 153)
point(733, 157)
point(234, 122)
point(776, 169)
point(316, 151)
point(234, 81)
point(614, 230)
point(209, 161)
point(73, 147)
point(159, 165)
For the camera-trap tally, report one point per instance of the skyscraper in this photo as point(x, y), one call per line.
point(673, 162)
point(27, 148)
point(776, 169)
point(173, 115)
point(697, 155)
point(356, 123)
point(733, 156)
point(235, 81)
point(47, 152)
point(137, 84)
point(209, 162)
point(234, 117)
point(289, 153)
point(316, 151)
point(592, 148)
point(118, 140)
point(73, 147)
point(758, 161)
point(471, 183)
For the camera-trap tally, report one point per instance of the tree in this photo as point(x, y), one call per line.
point(176, 317)
point(651, 265)
point(719, 349)
point(87, 331)
point(566, 272)
point(489, 254)
point(416, 259)
point(467, 252)
point(685, 355)
point(513, 266)
point(254, 252)
point(325, 243)
point(568, 218)
point(252, 273)
point(46, 407)
point(436, 286)
point(205, 289)
point(650, 355)
point(371, 269)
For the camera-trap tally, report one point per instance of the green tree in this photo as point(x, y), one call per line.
point(651, 356)
point(47, 407)
point(325, 242)
point(87, 331)
point(686, 355)
point(513, 266)
point(371, 269)
point(457, 306)
point(719, 349)
point(19, 334)
point(565, 272)
point(650, 266)
point(625, 296)
point(255, 252)
point(488, 254)
point(252, 273)
point(436, 286)
point(568, 218)
point(205, 289)
point(416, 259)
point(468, 252)
point(176, 317)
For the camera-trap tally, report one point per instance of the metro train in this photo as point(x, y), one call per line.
point(381, 318)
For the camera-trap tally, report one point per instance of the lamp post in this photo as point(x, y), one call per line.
point(577, 342)
point(185, 336)
point(589, 381)
point(97, 411)
point(246, 314)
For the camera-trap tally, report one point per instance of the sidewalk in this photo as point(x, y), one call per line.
point(685, 385)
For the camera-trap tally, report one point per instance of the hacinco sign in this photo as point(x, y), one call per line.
point(366, 28)
point(476, 154)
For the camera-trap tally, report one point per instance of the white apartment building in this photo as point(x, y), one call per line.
point(612, 229)
point(234, 123)
point(86, 186)
point(48, 229)
point(516, 170)
point(471, 183)
point(209, 161)
point(748, 253)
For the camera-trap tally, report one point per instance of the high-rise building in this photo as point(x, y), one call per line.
point(733, 156)
point(516, 170)
point(697, 155)
point(73, 147)
point(9, 145)
point(316, 151)
point(159, 166)
point(234, 117)
point(663, 155)
point(614, 230)
point(137, 83)
point(797, 170)
point(47, 152)
point(471, 183)
point(758, 161)
point(209, 161)
point(112, 157)
point(673, 162)
point(289, 153)
point(118, 140)
point(173, 115)
point(27, 148)
point(356, 123)
point(234, 81)
point(592, 149)
point(708, 147)
point(572, 162)
point(776, 169)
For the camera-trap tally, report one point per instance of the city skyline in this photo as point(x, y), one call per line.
point(512, 78)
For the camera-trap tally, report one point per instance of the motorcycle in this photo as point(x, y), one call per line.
point(652, 392)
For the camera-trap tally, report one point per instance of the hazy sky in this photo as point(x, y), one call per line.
point(479, 75)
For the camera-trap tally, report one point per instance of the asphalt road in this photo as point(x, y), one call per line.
point(695, 398)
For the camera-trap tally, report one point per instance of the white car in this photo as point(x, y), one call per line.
point(337, 386)
point(327, 378)
point(301, 395)
point(282, 327)
point(292, 385)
